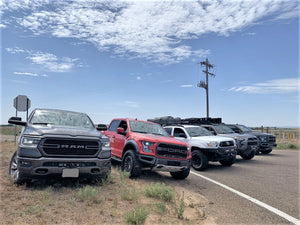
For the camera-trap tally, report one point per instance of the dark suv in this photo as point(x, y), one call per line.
point(59, 143)
point(266, 141)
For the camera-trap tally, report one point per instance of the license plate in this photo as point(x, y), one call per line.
point(70, 173)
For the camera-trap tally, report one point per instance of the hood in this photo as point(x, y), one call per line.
point(54, 130)
point(211, 138)
point(157, 138)
point(259, 133)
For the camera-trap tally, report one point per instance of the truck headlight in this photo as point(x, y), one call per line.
point(262, 138)
point(148, 146)
point(105, 152)
point(212, 144)
point(30, 142)
point(105, 146)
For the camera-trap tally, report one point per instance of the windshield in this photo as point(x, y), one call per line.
point(244, 128)
point(221, 129)
point(61, 118)
point(150, 128)
point(198, 131)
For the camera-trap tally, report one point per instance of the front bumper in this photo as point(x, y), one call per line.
point(45, 166)
point(266, 145)
point(162, 164)
point(221, 153)
point(247, 149)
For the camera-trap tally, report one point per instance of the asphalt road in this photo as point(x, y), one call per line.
point(272, 179)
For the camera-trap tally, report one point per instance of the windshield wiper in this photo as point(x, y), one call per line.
point(157, 134)
point(41, 123)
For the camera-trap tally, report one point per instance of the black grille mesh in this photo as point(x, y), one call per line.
point(171, 151)
point(70, 147)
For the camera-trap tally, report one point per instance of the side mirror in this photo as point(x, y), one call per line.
point(101, 127)
point(16, 121)
point(120, 130)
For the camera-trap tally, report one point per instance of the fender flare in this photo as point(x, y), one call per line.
point(131, 144)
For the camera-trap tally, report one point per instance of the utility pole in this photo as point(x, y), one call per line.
point(204, 84)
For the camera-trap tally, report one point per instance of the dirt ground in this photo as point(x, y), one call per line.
point(59, 202)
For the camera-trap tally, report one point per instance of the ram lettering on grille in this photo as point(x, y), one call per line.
point(70, 147)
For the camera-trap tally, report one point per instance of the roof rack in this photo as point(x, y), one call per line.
point(169, 120)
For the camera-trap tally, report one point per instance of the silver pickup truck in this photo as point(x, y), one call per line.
point(205, 147)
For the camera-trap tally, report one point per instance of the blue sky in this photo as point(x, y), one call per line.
point(139, 59)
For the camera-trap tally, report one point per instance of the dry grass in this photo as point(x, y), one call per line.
point(74, 202)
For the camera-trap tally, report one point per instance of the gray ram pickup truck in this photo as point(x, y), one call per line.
point(59, 143)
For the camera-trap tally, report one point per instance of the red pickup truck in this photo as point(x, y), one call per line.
point(141, 144)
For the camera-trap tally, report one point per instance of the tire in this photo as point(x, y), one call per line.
point(266, 151)
point(249, 156)
point(131, 164)
point(199, 160)
point(14, 171)
point(228, 162)
point(180, 175)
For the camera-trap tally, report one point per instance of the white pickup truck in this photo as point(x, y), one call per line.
point(205, 147)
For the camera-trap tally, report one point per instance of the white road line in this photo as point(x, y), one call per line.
point(264, 205)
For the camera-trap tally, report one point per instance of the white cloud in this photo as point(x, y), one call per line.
point(26, 74)
point(16, 50)
point(132, 104)
point(270, 87)
point(51, 62)
point(153, 30)
point(47, 60)
point(138, 78)
point(186, 85)
point(30, 74)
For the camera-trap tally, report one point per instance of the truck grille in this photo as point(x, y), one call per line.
point(171, 151)
point(252, 141)
point(69, 147)
point(226, 143)
point(272, 139)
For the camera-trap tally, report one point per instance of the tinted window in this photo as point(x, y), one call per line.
point(147, 128)
point(234, 128)
point(197, 131)
point(244, 128)
point(178, 132)
point(114, 125)
point(221, 129)
point(169, 130)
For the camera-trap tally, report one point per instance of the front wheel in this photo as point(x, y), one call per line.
point(248, 156)
point(180, 175)
point(199, 160)
point(265, 151)
point(227, 162)
point(131, 164)
point(14, 170)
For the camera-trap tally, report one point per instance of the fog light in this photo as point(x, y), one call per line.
point(25, 164)
point(104, 154)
